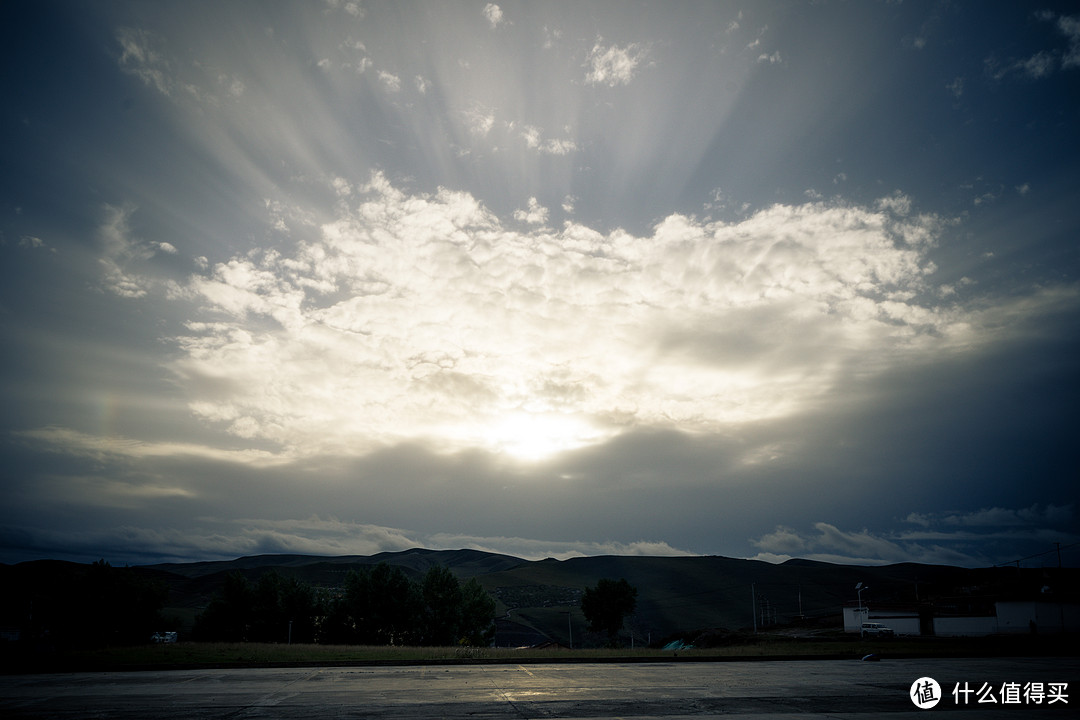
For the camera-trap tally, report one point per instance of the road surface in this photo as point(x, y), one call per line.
point(763, 689)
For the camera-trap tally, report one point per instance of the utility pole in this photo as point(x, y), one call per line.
point(753, 601)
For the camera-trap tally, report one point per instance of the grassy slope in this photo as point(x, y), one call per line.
point(681, 594)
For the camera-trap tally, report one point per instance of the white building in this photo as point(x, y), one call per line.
point(1010, 617)
point(1025, 616)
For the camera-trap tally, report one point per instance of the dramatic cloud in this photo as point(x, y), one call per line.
point(533, 139)
point(29, 241)
point(1070, 27)
point(391, 81)
point(493, 14)
point(480, 121)
point(142, 60)
point(423, 316)
point(613, 65)
point(536, 214)
point(105, 448)
point(956, 539)
point(1043, 63)
point(754, 278)
point(121, 252)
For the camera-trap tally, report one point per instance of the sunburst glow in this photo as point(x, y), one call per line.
point(529, 436)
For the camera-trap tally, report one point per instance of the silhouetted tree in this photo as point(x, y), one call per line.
point(114, 606)
point(301, 607)
point(265, 622)
point(381, 606)
point(284, 610)
point(261, 612)
point(88, 606)
point(229, 613)
point(395, 605)
point(336, 626)
point(442, 599)
point(378, 606)
point(477, 614)
point(607, 605)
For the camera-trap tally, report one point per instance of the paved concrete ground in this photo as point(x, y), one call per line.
point(772, 689)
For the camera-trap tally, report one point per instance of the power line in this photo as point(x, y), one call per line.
point(1036, 555)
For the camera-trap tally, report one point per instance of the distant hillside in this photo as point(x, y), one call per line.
point(464, 563)
point(682, 594)
point(539, 600)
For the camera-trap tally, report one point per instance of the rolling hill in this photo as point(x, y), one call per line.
point(540, 600)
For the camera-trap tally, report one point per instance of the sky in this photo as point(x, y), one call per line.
point(756, 279)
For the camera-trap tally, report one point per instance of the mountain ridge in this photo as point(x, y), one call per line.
point(540, 599)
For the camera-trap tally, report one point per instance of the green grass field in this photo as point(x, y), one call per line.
point(191, 654)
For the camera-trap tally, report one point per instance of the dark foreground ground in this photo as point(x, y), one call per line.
point(761, 689)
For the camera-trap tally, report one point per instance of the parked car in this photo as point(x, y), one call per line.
point(163, 637)
point(878, 629)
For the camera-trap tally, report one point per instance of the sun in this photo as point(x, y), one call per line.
point(535, 436)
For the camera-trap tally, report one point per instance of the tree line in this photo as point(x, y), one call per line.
point(102, 605)
point(376, 606)
point(81, 606)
